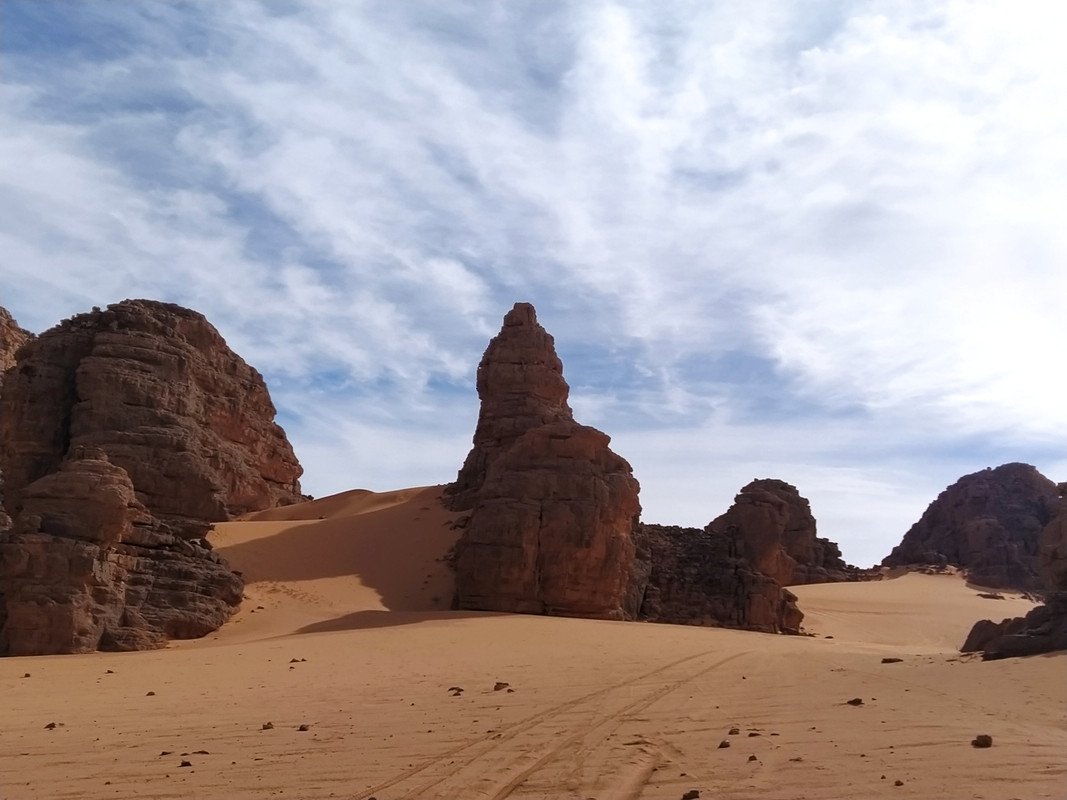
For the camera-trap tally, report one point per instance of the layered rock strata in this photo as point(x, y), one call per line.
point(125, 434)
point(988, 523)
point(1044, 629)
point(553, 509)
point(12, 337)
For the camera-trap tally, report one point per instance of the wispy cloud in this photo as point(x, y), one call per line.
point(815, 241)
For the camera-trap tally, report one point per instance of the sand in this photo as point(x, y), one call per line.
point(346, 631)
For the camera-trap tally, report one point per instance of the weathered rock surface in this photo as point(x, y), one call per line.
point(1044, 629)
point(702, 577)
point(554, 527)
point(156, 388)
point(777, 535)
point(87, 567)
point(552, 530)
point(521, 386)
point(987, 523)
point(124, 434)
point(553, 509)
point(12, 337)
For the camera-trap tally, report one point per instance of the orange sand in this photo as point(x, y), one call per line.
point(354, 587)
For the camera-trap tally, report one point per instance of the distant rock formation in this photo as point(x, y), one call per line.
point(554, 523)
point(1044, 629)
point(124, 434)
point(987, 523)
point(777, 534)
point(701, 577)
point(553, 509)
point(87, 567)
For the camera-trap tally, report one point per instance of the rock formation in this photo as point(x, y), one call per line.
point(87, 567)
point(553, 509)
point(777, 535)
point(155, 387)
point(701, 577)
point(554, 528)
point(12, 337)
point(125, 434)
point(987, 523)
point(1044, 629)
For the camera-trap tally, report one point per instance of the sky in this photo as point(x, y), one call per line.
point(821, 241)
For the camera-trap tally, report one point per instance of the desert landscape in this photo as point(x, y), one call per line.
point(343, 631)
point(180, 621)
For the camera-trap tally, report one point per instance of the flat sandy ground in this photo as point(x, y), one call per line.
point(353, 587)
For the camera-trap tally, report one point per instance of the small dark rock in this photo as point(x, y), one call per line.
point(303, 727)
point(734, 731)
point(982, 740)
point(753, 758)
point(891, 660)
point(724, 743)
point(267, 726)
point(754, 733)
point(201, 753)
point(500, 685)
point(166, 752)
point(150, 694)
point(50, 726)
point(186, 764)
point(692, 794)
point(898, 783)
point(856, 701)
point(26, 675)
point(110, 672)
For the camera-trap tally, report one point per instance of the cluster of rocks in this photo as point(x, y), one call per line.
point(554, 524)
point(125, 434)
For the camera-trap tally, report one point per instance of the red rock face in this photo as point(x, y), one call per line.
point(12, 337)
point(1052, 555)
point(155, 387)
point(553, 509)
point(87, 567)
point(988, 523)
point(521, 386)
point(778, 535)
point(125, 434)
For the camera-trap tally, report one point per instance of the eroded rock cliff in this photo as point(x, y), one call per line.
point(124, 434)
point(987, 523)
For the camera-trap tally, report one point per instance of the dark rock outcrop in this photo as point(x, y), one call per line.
point(987, 523)
point(777, 535)
point(1044, 629)
point(553, 509)
point(155, 387)
point(12, 337)
point(125, 434)
point(701, 577)
point(87, 567)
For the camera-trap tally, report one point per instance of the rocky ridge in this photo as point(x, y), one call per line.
point(125, 433)
point(987, 523)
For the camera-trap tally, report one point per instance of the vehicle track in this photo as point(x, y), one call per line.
point(493, 766)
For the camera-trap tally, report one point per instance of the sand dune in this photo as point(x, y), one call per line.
point(354, 588)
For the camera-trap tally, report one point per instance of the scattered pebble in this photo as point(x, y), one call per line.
point(201, 753)
point(734, 731)
point(500, 685)
point(754, 733)
point(50, 726)
point(898, 783)
point(267, 726)
point(186, 764)
point(753, 758)
point(982, 740)
point(303, 727)
point(166, 752)
point(856, 701)
point(796, 758)
point(26, 675)
point(150, 694)
point(724, 743)
point(891, 660)
point(692, 794)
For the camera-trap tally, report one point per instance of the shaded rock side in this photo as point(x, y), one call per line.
point(987, 523)
point(702, 577)
point(155, 387)
point(12, 337)
point(520, 386)
point(777, 535)
point(86, 567)
point(552, 531)
point(1044, 628)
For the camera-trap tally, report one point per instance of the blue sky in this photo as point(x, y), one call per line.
point(818, 241)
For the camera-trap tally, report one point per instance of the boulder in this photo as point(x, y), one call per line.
point(987, 523)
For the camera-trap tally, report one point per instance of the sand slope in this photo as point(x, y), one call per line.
point(598, 709)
